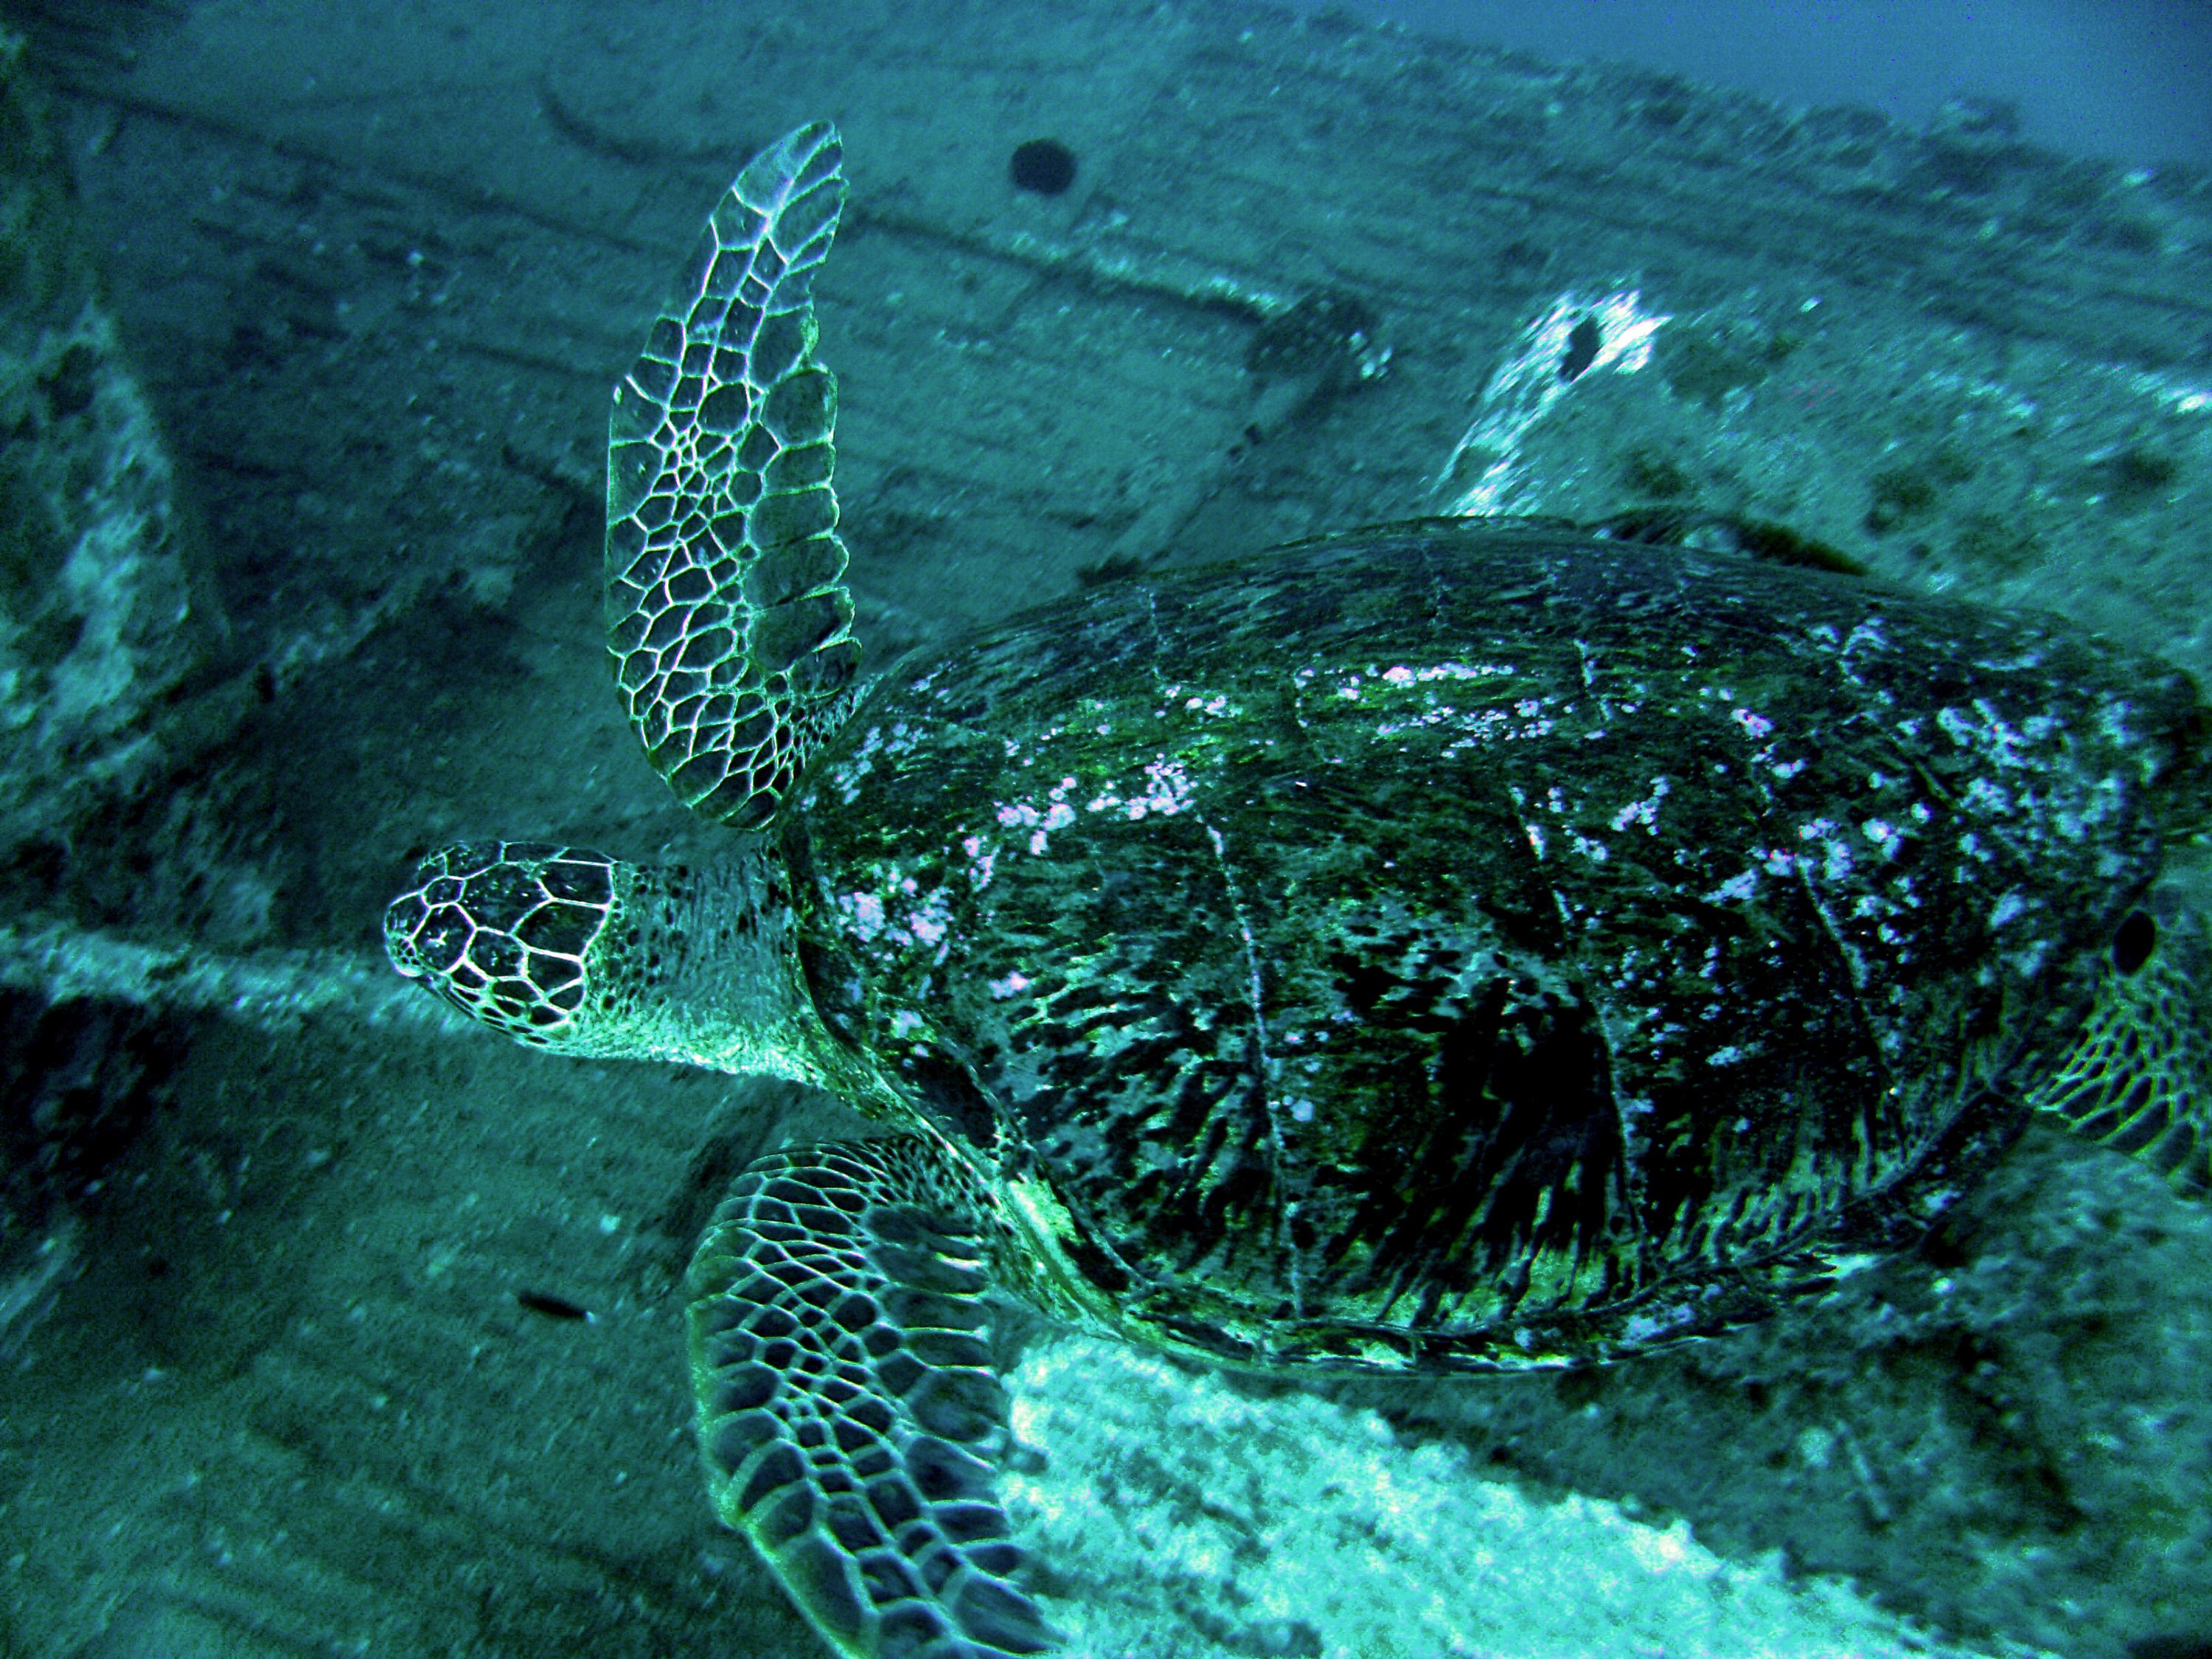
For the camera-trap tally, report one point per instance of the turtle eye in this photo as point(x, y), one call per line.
point(2133, 943)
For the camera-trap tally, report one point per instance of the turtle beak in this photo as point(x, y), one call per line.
point(404, 919)
point(425, 930)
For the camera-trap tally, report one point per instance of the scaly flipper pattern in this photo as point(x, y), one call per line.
point(848, 1414)
point(727, 608)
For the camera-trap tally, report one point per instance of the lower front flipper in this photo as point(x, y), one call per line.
point(847, 1410)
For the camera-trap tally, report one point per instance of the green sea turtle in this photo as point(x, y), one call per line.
point(1447, 946)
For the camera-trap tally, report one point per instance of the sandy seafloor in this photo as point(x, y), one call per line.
point(268, 1390)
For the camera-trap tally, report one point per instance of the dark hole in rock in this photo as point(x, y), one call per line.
point(1042, 164)
point(1583, 341)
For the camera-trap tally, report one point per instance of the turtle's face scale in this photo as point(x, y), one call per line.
point(506, 932)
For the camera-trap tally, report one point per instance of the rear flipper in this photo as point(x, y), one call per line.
point(848, 1412)
point(2140, 1079)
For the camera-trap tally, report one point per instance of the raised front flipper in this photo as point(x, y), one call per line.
point(727, 608)
point(2140, 1077)
point(848, 1412)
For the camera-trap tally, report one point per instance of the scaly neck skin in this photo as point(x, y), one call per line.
point(701, 966)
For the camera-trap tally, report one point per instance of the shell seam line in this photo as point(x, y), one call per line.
point(1287, 1211)
point(1853, 967)
point(1289, 1207)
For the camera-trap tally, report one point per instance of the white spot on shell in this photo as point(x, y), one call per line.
point(1167, 788)
point(867, 911)
point(1741, 885)
point(1644, 811)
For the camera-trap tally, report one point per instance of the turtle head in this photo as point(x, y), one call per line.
point(570, 950)
point(509, 932)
